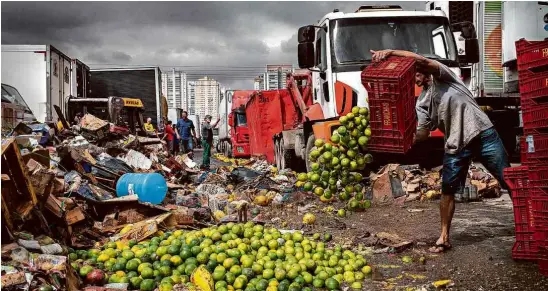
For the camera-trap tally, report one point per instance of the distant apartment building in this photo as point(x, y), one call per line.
point(258, 83)
point(174, 88)
point(207, 97)
point(191, 91)
point(275, 76)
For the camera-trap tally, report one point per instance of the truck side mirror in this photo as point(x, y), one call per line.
point(471, 44)
point(306, 34)
point(306, 55)
point(471, 47)
point(230, 120)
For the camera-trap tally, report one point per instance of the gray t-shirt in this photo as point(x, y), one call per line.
point(449, 106)
point(207, 132)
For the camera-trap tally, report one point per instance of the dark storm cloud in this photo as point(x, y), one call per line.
point(242, 34)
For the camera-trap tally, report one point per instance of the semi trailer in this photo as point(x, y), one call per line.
point(41, 73)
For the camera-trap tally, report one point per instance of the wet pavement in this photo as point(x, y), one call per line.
point(197, 158)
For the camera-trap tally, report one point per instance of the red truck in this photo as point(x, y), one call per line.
point(271, 113)
point(233, 129)
point(280, 120)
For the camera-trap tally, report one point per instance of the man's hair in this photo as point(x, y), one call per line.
point(208, 117)
point(423, 70)
point(169, 122)
point(185, 112)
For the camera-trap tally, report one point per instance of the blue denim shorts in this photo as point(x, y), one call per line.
point(486, 148)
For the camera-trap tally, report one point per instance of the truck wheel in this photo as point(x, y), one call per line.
point(228, 150)
point(309, 146)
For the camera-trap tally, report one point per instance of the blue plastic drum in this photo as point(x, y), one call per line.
point(150, 187)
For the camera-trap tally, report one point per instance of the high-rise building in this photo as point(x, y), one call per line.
point(207, 97)
point(174, 89)
point(191, 90)
point(258, 83)
point(275, 76)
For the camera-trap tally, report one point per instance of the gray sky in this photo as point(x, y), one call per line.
point(230, 41)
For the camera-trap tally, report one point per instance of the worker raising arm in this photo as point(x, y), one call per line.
point(207, 140)
point(449, 106)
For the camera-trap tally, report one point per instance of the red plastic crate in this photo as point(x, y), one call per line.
point(523, 218)
point(523, 250)
point(517, 178)
point(538, 176)
point(543, 261)
point(536, 154)
point(534, 86)
point(526, 245)
point(531, 54)
point(391, 89)
point(535, 117)
point(540, 215)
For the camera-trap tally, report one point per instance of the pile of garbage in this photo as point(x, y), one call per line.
point(93, 184)
point(397, 184)
point(70, 194)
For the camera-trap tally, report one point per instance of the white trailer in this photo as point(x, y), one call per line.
point(174, 114)
point(527, 20)
point(41, 73)
point(494, 79)
point(499, 25)
point(225, 106)
point(80, 78)
point(223, 144)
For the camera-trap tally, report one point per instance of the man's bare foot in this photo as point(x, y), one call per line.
point(440, 247)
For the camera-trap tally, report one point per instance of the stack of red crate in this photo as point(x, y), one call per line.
point(532, 58)
point(390, 86)
point(525, 247)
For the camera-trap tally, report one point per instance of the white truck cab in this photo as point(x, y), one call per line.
point(338, 47)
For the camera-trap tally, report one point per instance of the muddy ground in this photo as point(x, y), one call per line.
point(482, 236)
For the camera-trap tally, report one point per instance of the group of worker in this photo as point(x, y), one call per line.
point(180, 138)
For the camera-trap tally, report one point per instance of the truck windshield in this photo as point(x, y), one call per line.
point(240, 120)
point(353, 38)
point(11, 95)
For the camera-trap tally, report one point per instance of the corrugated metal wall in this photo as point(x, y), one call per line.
point(492, 47)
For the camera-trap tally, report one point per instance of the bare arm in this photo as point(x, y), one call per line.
point(217, 122)
point(421, 135)
point(193, 132)
point(428, 65)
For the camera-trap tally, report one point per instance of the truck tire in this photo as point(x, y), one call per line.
point(227, 150)
point(309, 146)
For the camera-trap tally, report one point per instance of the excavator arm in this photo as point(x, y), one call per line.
point(302, 94)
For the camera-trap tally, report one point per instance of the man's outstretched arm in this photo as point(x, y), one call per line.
point(426, 64)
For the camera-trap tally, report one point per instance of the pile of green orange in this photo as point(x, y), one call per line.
point(238, 256)
point(336, 164)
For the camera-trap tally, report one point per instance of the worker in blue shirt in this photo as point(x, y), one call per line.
point(187, 132)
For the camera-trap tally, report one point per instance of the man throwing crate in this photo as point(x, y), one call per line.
point(449, 106)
